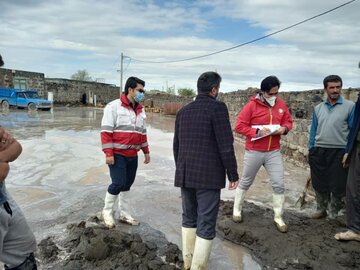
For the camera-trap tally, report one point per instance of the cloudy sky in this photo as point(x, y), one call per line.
point(59, 37)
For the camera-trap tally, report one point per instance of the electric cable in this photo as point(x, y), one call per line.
point(248, 42)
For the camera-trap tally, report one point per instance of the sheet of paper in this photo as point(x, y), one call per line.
point(273, 129)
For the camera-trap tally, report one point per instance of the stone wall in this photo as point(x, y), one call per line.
point(34, 80)
point(72, 91)
point(159, 99)
point(294, 145)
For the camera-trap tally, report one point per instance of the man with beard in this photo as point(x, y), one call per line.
point(331, 123)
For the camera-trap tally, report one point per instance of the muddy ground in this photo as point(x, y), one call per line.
point(90, 245)
point(309, 244)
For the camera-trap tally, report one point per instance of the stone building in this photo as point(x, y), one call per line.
point(20, 79)
point(72, 91)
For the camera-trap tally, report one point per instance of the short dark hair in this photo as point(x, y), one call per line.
point(332, 78)
point(132, 82)
point(269, 82)
point(1, 61)
point(207, 81)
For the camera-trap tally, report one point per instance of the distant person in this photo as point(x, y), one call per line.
point(204, 155)
point(352, 154)
point(17, 242)
point(123, 134)
point(330, 126)
point(263, 120)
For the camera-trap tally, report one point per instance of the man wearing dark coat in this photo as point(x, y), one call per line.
point(204, 155)
point(352, 154)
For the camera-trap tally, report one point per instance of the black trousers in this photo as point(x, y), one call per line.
point(327, 172)
point(353, 192)
point(200, 210)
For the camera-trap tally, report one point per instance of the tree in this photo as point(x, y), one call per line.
point(81, 75)
point(187, 92)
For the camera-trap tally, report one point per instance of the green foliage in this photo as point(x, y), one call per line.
point(187, 92)
point(81, 75)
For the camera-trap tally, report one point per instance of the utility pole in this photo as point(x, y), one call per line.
point(122, 70)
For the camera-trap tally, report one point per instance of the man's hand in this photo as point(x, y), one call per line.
point(263, 132)
point(233, 185)
point(147, 158)
point(281, 131)
point(110, 160)
point(345, 161)
point(5, 139)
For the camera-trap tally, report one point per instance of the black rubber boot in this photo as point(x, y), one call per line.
point(322, 200)
point(336, 204)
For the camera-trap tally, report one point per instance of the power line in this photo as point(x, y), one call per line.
point(248, 42)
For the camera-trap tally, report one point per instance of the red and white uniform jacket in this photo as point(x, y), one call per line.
point(123, 129)
point(257, 112)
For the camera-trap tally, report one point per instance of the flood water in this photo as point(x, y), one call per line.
point(61, 177)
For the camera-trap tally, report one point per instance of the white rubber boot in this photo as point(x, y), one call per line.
point(278, 205)
point(124, 208)
point(238, 202)
point(188, 245)
point(107, 212)
point(201, 255)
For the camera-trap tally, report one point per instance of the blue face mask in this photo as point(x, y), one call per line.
point(139, 97)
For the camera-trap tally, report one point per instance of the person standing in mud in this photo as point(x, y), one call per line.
point(17, 241)
point(204, 154)
point(352, 154)
point(330, 126)
point(263, 120)
point(123, 134)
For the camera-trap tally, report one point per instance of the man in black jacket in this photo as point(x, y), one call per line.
point(204, 154)
point(352, 153)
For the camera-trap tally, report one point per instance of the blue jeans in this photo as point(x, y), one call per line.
point(122, 173)
point(200, 210)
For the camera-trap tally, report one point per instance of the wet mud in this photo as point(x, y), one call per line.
point(309, 244)
point(90, 245)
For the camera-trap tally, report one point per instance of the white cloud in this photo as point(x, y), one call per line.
point(60, 37)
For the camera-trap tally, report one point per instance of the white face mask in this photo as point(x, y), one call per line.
point(271, 100)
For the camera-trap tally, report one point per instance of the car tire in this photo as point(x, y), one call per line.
point(5, 104)
point(32, 107)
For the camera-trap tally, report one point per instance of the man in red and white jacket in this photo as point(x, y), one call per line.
point(123, 134)
point(263, 120)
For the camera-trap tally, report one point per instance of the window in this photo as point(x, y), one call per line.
point(20, 83)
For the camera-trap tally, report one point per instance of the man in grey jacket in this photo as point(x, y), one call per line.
point(331, 123)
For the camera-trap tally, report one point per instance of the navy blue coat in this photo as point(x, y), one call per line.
point(355, 128)
point(203, 145)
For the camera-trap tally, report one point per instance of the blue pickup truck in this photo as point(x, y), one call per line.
point(23, 99)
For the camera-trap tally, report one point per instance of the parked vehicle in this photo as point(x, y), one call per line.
point(23, 99)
